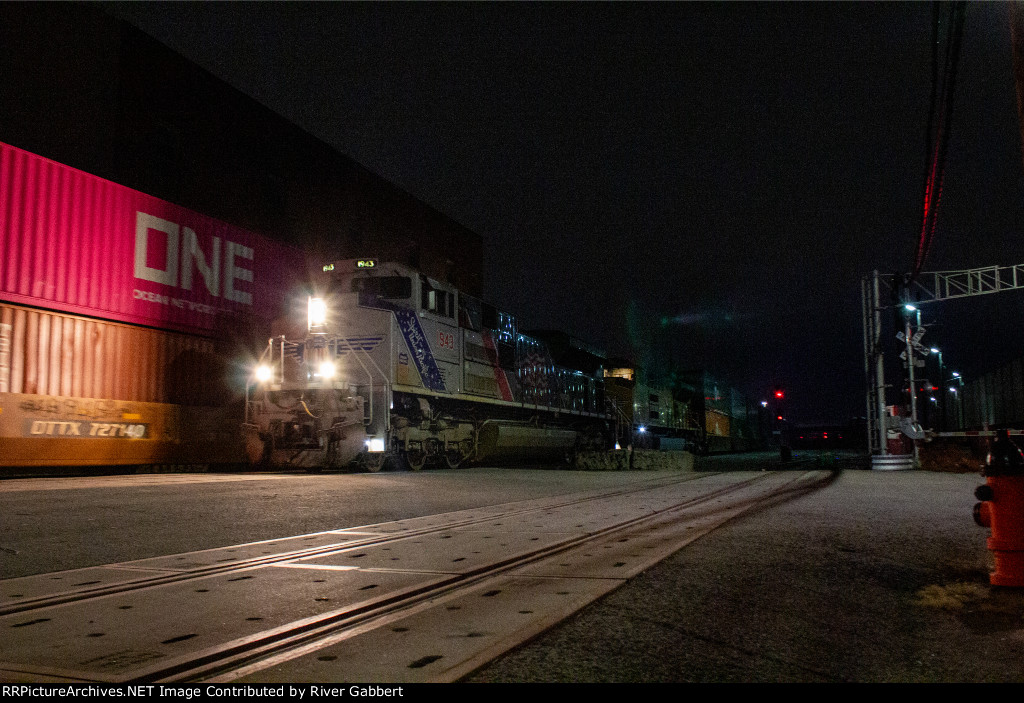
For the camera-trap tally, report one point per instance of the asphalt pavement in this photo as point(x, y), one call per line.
point(882, 576)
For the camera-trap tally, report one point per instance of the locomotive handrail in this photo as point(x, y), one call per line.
point(249, 381)
point(270, 349)
point(619, 415)
point(355, 355)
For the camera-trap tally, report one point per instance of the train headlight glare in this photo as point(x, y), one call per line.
point(317, 312)
point(263, 373)
point(375, 444)
point(327, 369)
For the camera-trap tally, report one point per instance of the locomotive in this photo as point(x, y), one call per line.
point(391, 365)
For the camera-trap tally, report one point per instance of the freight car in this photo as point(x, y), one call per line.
point(387, 364)
point(993, 400)
point(690, 410)
point(729, 420)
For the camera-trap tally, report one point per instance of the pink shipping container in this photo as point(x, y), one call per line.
point(74, 242)
point(115, 310)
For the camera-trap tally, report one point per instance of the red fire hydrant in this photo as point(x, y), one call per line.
point(1002, 510)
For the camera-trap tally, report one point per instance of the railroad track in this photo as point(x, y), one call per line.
point(425, 599)
point(93, 582)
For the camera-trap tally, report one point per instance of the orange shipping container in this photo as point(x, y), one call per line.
point(75, 390)
point(48, 353)
point(716, 424)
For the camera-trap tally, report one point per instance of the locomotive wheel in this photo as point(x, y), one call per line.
point(416, 458)
point(454, 456)
point(372, 462)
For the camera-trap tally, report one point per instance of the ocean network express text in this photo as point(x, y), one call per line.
point(181, 257)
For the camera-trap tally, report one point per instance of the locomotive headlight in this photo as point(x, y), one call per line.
point(263, 373)
point(317, 312)
point(327, 369)
point(375, 444)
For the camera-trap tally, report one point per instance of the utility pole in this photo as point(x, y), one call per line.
point(874, 365)
point(879, 389)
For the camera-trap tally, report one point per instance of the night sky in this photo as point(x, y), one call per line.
point(704, 183)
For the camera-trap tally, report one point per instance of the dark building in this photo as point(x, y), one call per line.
point(88, 90)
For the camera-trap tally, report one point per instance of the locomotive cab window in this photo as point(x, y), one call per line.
point(435, 300)
point(390, 287)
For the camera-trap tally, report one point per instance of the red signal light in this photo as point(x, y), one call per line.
point(778, 393)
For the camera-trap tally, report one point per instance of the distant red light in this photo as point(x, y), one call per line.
point(778, 394)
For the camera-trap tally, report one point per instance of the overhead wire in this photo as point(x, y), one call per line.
point(928, 159)
point(939, 123)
